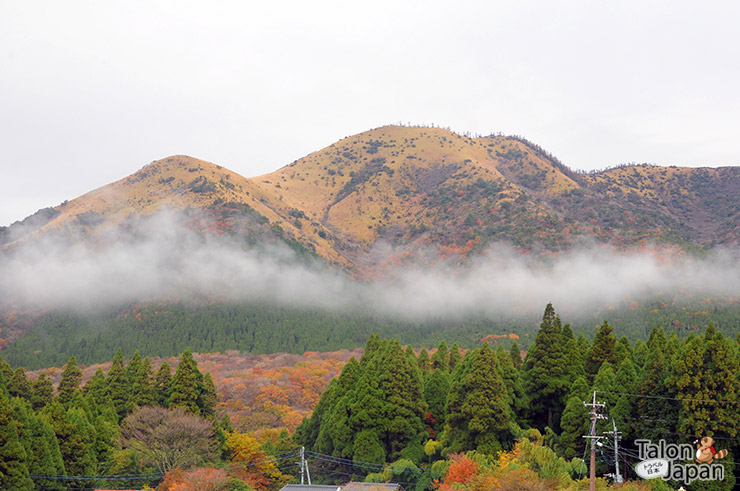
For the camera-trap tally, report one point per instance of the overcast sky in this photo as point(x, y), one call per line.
point(91, 91)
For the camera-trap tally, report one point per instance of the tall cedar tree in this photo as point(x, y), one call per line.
point(119, 386)
point(478, 413)
point(706, 371)
point(13, 457)
point(654, 380)
point(163, 384)
point(575, 421)
point(18, 385)
point(603, 349)
point(42, 391)
point(307, 432)
point(70, 381)
point(42, 449)
point(441, 357)
point(436, 390)
point(139, 373)
point(404, 406)
point(187, 385)
point(545, 372)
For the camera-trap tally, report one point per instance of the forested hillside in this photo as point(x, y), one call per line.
point(166, 329)
point(442, 419)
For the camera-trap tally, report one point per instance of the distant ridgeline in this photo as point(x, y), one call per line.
point(168, 329)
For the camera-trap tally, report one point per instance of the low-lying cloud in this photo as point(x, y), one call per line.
point(164, 259)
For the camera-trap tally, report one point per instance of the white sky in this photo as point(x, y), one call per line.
point(91, 91)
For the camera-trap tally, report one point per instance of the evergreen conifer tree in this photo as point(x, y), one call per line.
point(575, 421)
point(119, 386)
point(545, 371)
point(18, 385)
point(436, 389)
point(187, 385)
point(478, 413)
point(441, 357)
point(603, 349)
point(70, 381)
point(42, 391)
point(13, 458)
point(163, 384)
point(455, 356)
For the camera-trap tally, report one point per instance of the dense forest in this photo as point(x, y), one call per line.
point(443, 419)
point(490, 420)
point(168, 328)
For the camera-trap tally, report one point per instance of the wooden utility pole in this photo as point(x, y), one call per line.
point(595, 416)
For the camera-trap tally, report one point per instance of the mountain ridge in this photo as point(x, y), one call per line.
point(421, 187)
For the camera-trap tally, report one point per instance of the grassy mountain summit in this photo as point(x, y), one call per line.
point(415, 188)
point(102, 270)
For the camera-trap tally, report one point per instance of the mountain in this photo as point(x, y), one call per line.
point(364, 206)
point(380, 197)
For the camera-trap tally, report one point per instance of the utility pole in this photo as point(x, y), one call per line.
point(595, 416)
point(617, 476)
point(304, 466)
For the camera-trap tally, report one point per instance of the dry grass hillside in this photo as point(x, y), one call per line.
point(391, 194)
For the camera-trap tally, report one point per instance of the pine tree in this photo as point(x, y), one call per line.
point(70, 381)
point(187, 385)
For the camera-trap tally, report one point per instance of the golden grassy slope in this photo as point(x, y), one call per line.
point(419, 186)
point(377, 179)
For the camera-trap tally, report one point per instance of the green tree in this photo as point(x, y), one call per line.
point(208, 397)
point(545, 371)
point(13, 458)
point(119, 386)
point(706, 370)
point(139, 373)
point(70, 381)
point(575, 421)
point(74, 435)
point(187, 385)
point(455, 356)
point(603, 349)
point(441, 357)
point(18, 385)
point(436, 389)
point(516, 355)
point(40, 445)
point(163, 384)
point(42, 391)
point(478, 414)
